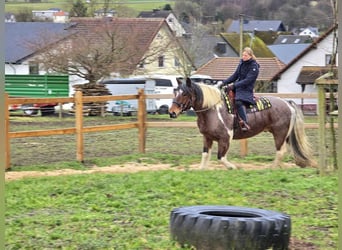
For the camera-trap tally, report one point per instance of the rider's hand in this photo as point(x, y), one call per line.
point(219, 84)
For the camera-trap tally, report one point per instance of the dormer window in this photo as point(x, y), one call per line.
point(329, 60)
point(170, 20)
point(284, 40)
point(297, 40)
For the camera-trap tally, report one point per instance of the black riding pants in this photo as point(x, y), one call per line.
point(241, 109)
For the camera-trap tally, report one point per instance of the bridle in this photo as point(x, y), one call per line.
point(184, 106)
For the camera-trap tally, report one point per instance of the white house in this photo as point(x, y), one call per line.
point(309, 31)
point(319, 53)
point(169, 17)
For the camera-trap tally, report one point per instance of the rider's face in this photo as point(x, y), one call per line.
point(245, 56)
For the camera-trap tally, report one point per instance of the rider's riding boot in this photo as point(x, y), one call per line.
point(243, 122)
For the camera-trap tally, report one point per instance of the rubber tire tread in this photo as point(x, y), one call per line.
point(230, 228)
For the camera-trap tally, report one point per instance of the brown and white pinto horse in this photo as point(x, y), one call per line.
point(214, 120)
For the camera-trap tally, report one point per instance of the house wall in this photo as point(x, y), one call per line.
point(164, 39)
point(175, 25)
point(315, 57)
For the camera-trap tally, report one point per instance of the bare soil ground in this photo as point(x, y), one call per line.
point(130, 168)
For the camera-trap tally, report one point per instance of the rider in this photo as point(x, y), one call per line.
point(242, 81)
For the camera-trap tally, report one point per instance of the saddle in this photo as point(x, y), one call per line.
point(261, 103)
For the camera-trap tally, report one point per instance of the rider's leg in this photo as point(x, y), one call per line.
point(241, 109)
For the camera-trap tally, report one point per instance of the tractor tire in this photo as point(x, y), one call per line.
point(230, 228)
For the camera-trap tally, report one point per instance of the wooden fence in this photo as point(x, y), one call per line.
point(141, 124)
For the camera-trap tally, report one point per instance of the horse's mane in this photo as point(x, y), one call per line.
point(211, 95)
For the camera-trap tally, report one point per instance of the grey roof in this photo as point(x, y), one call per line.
point(19, 34)
point(209, 47)
point(287, 52)
point(292, 39)
point(155, 14)
point(260, 25)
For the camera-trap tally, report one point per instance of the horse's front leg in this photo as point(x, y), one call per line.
point(223, 146)
point(206, 153)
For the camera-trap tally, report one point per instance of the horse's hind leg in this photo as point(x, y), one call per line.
point(206, 153)
point(279, 156)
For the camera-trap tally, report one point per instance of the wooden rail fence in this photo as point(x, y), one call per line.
point(141, 124)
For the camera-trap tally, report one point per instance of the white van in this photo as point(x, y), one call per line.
point(129, 86)
point(164, 84)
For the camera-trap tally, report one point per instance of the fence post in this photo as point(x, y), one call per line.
point(7, 139)
point(243, 147)
point(79, 125)
point(142, 120)
point(321, 130)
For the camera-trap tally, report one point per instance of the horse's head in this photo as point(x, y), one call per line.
point(182, 101)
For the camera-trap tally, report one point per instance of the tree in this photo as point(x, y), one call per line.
point(96, 49)
point(78, 9)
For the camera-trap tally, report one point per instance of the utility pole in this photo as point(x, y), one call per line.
point(241, 33)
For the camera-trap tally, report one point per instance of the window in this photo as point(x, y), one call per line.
point(163, 83)
point(33, 68)
point(177, 63)
point(161, 61)
point(329, 60)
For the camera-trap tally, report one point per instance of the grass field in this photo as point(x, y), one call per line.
point(131, 210)
point(16, 6)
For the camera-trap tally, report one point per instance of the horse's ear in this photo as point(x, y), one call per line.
point(188, 82)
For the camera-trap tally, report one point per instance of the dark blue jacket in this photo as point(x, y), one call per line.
point(244, 79)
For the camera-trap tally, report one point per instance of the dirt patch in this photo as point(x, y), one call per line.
point(129, 168)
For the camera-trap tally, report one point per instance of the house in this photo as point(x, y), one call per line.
point(105, 13)
point(170, 18)
point(60, 17)
point(287, 47)
point(222, 67)
point(44, 15)
point(19, 55)
point(157, 51)
point(309, 31)
point(9, 17)
point(318, 54)
point(256, 25)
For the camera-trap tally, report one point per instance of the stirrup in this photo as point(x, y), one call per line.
point(244, 126)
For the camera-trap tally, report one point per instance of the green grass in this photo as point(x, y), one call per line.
point(16, 6)
point(131, 211)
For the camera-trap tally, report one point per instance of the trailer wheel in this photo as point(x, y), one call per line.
point(228, 227)
point(29, 110)
point(164, 109)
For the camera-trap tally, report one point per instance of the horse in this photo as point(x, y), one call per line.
point(217, 122)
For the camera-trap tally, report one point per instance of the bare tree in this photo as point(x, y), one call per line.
point(96, 49)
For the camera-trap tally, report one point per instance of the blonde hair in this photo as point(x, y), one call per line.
point(250, 52)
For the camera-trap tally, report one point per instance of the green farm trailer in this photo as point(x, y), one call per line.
point(37, 86)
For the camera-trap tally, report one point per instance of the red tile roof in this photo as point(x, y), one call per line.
point(221, 68)
point(138, 32)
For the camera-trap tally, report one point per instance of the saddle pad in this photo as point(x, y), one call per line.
point(262, 103)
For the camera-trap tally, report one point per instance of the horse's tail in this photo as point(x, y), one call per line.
point(298, 140)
